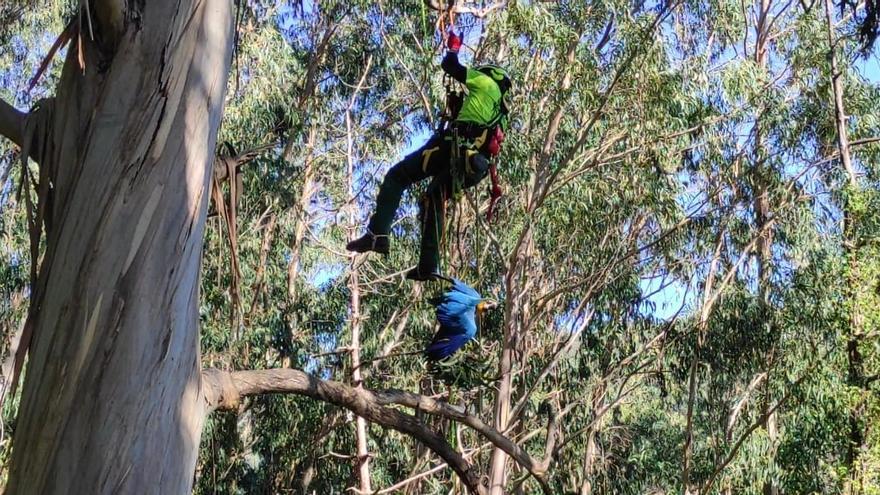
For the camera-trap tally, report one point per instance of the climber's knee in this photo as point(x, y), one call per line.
point(478, 167)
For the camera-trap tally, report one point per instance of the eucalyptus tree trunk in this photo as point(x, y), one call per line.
point(763, 23)
point(363, 453)
point(303, 217)
point(112, 399)
point(855, 360)
point(591, 457)
point(513, 317)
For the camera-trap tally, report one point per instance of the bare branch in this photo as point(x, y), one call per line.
point(734, 414)
point(428, 405)
point(223, 390)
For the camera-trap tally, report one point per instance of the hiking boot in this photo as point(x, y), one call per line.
point(369, 242)
point(423, 274)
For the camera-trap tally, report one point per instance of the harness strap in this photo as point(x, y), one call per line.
point(467, 161)
point(426, 157)
point(375, 237)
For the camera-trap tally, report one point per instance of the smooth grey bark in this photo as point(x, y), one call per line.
point(112, 399)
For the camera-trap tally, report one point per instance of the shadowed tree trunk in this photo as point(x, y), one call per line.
point(112, 400)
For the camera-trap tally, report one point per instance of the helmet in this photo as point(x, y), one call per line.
point(498, 74)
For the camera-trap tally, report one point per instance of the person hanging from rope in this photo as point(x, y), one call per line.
point(478, 127)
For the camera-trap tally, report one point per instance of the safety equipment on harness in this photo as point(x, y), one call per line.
point(454, 100)
point(493, 145)
point(453, 43)
point(495, 191)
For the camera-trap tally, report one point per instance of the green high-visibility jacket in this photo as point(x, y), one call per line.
point(482, 103)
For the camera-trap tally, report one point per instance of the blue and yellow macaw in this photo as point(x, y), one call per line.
point(457, 312)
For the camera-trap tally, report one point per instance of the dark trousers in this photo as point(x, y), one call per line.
point(431, 160)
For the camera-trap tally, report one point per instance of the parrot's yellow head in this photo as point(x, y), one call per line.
point(486, 304)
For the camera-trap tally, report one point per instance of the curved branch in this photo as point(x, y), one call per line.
point(223, 390)
point(537, 468)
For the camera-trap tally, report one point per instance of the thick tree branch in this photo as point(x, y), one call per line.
point(223, 390)
point(11, 122)
point(245, 383)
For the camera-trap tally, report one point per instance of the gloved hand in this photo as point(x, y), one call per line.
point(453, 42)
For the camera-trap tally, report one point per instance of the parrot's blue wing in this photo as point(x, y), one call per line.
point(459, 286)
point(457, 307)
point(456, 313)
point(452, 312)
point(445, 345)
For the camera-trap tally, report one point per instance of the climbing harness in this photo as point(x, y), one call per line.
point(464, 142)
point(454, 100)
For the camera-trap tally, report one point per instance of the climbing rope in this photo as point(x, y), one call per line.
point(446, 22)
point(458, 165)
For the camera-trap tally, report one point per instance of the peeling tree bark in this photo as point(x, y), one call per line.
point(112, 399)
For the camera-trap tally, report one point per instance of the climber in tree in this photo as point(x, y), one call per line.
point(480, 124)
